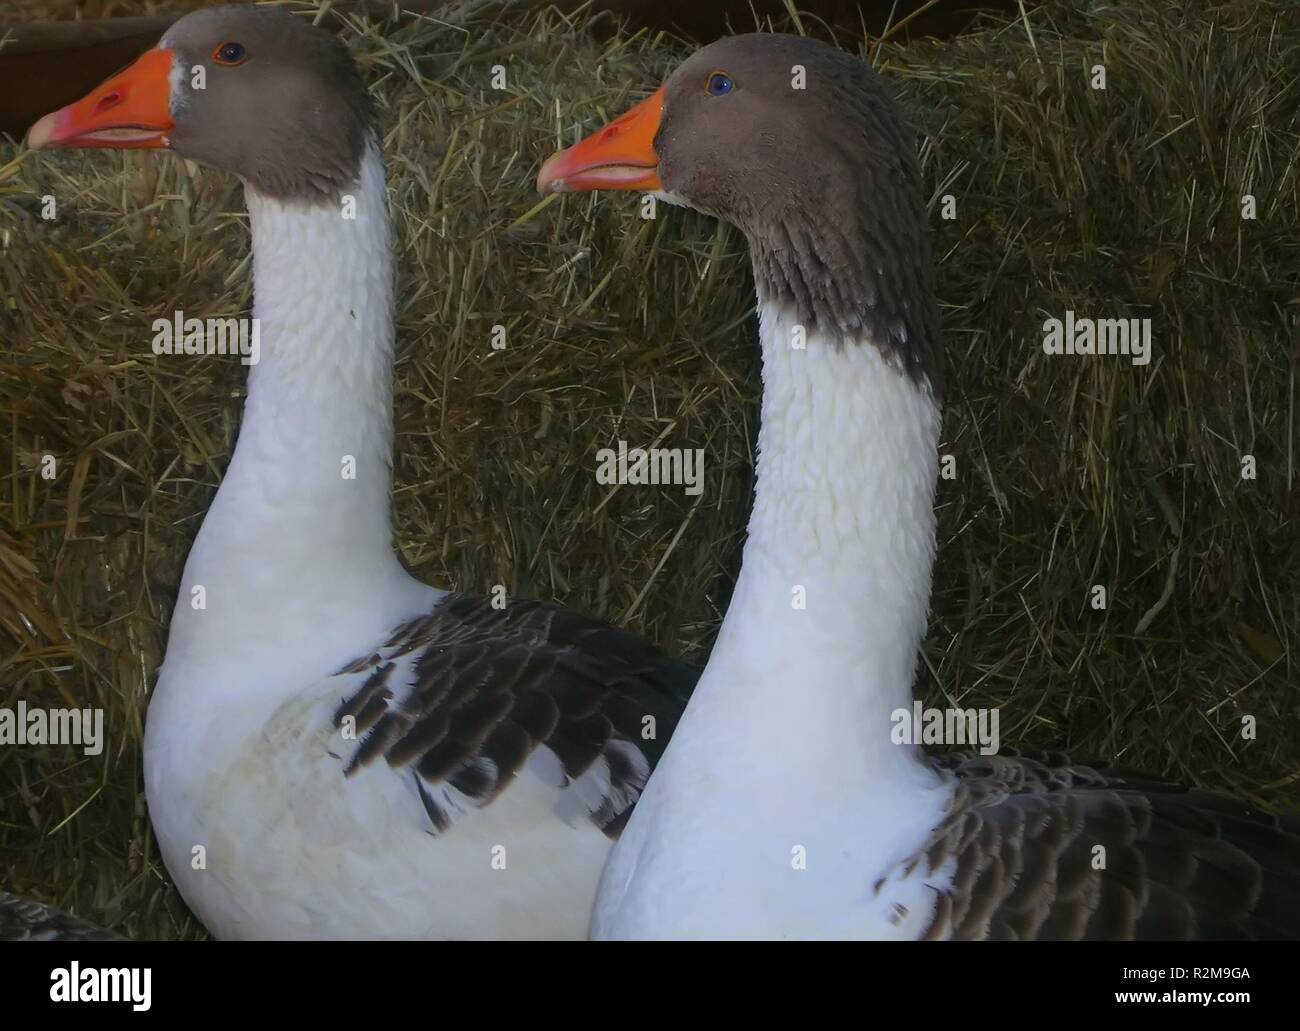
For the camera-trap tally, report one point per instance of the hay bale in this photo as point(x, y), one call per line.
point(1070, 471)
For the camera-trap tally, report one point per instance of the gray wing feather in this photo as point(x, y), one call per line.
point(23, 919)
point(463, 697)
point(1041, 847)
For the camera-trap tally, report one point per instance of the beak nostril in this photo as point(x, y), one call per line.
point(107, 101)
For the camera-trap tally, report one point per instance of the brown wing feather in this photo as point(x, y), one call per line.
point(1045, 848)
point(25, 920)
point(488, 686)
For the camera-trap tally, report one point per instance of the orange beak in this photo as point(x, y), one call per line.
point(132, 109)
point(620, 156)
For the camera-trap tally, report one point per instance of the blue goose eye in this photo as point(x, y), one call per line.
point(719, 83)
point(229, 54)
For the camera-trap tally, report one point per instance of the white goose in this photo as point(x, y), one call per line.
point(782, 808)
point(332, 746)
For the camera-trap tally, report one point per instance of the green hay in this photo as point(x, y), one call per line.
point(1070, 471)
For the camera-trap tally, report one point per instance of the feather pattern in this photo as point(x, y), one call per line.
point(23, 919)
point(462, 698)
point(1040, 847)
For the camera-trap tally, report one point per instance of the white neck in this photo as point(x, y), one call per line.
point(299, 534)
point(843, 521)
point(784, 752)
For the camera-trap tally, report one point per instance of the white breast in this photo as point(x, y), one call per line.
point(290, 848)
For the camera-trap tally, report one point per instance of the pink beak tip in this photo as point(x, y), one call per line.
point(547, 180)
point(43, 132)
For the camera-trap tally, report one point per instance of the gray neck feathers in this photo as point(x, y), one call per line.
point(849, 251)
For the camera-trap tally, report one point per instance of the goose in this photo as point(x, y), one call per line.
point(24, 919)
point(782, 807)
point(334, 749)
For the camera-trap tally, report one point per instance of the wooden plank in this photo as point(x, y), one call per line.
point(35, 37)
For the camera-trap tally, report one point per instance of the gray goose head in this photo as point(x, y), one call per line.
point(801, 147)
point(251, 90)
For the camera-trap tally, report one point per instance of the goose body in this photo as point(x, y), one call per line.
point(783, 807)
point(334, 749)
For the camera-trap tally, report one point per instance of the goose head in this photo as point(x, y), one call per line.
point(800, 146)
point(254, 91)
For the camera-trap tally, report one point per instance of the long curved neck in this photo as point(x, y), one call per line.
point(315, 449)
point(301, 525)
point(831, 604)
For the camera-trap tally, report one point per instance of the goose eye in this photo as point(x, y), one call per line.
point(229, 54)
point(719, 83)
